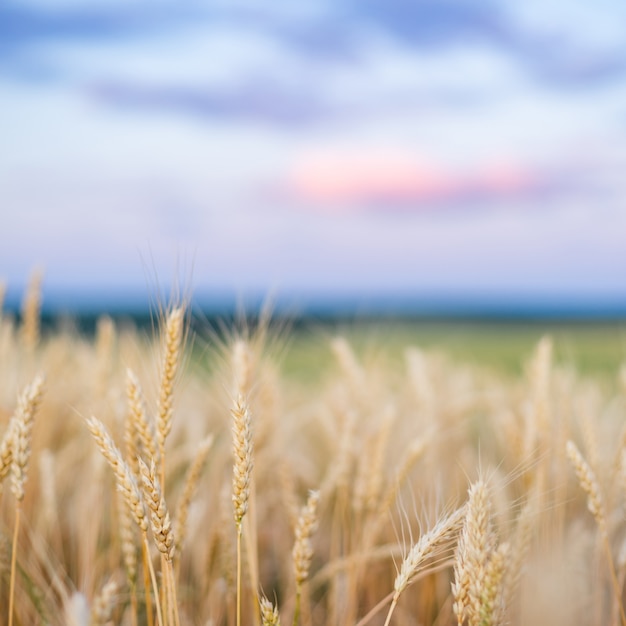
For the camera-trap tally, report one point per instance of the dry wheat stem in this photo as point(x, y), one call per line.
point(303, 549)
point(155, 586)
point(430, 544)
point(129, 554)
point(16, 529)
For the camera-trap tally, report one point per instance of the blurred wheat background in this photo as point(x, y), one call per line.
point(171, 478)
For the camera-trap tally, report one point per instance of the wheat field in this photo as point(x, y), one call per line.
point(140, 486)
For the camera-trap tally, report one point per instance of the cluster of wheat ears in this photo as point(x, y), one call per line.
point(142, 486)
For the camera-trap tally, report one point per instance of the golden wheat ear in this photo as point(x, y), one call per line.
point(269, 613)
point(20, 433)
point(173, 333)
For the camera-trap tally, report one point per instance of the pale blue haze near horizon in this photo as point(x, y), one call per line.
point(454, 147)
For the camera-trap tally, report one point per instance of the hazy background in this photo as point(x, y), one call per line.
point(429, 155)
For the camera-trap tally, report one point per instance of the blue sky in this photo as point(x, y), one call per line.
point(367, 146)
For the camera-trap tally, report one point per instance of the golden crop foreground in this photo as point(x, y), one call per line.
point(138, 488)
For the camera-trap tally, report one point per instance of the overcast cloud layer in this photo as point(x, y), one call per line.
point(322, 147)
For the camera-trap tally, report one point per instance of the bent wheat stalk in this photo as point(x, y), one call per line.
point(129, 489)
point(430, 544)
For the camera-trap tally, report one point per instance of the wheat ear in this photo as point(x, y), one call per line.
point(303, 548)
point(589, 484)
point(159, 515)
point(430, 544)
point(104, 604)
point(138, 420)
point(492, 592)
point(242, 452)
point(242, 471)
point(475, 546)
point(27, 406)
point(162, 532)
point(129, 489)
point(269, 613)
point(129, 554)
point(126, 482)
point(6, 450)
point(173, 339)
point(242, 367)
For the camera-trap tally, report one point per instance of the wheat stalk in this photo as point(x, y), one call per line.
point(303, 548)
point(476, 543)
point(173, 339)
point(126, 482)
point(27, 405)
point(138, 422)
point(589, 484)
point(242, 471)
point(129, 489)
point(129, 554)
point(242, 452)
point(429, 545)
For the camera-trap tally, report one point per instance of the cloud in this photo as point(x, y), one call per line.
point(261, 101)
point(555, 51)
point(335, 181)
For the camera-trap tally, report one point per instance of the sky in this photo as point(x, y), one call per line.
point(460, 148)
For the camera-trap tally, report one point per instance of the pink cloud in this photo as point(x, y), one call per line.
point(336, 180)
